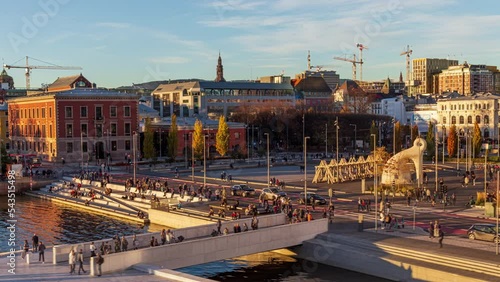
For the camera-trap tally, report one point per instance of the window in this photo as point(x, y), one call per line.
point(112, 111)
point(461, 120)
point(68, 112)
point(444, 120)
point(43, 112)
point(84, 129)
point(453, 120)
point(478, 119)
point(469, 119)
point(69, 130)
point(127, 145)
point(126, 111)
point(50, 112)
point(113, 146)
point(85, 147)
point(113, 129)
point(69, 147)
point(237, 135)
point(98, 113)
point(50, 130)
point(486, 119)
point(98, 130)
point(127, 129)
point(83, 111)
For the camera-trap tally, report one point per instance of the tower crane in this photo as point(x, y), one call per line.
point(28, 69)
point(361, 47)
point(354, 63)
point(408, 53)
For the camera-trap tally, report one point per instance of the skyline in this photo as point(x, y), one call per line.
point(164, 40)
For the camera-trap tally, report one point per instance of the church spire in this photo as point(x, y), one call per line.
point(220, 70)
point(400, 76)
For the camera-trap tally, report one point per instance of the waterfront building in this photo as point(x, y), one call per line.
point(465, 111)
point(466, 79)
point(315, 94)
point(73, 120)
point(423, 70)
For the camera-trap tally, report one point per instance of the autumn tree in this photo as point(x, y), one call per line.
point(397, 134)
point(452, 141)
point(172, 139)
point(414, 133)
point(222, 137)
point(430, 139)
point(198, 139)
point(477, 140)
point(149, 147)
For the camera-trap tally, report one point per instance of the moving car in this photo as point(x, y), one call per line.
point(242, 190)
point(318, 200)
point(272, 193)
point(483, 231)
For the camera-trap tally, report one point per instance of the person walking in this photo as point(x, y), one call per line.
point(441, 237)
point(41, 252)
point(80, 262)
point(124, 244)
point(34, 240)
point(431, 230)
point(92, 249)
point(219, 226)
point(134, 242)
point(26, 248)
point(72, 261)
point(99, 261)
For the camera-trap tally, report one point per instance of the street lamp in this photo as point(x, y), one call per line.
point(192, 158)
point(375, 176)
point(186, 136)
point(204, 162)
point(355, 135)
point(134, 144)
point(458, 153)
point(436, 159)
point(393, 136)
point(337, 139)
point(268, 165)
point(305, 171)
point(159, 131)
point(444, 140)
point(485, 179)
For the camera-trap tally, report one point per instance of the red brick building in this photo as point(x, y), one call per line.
point(75, 121)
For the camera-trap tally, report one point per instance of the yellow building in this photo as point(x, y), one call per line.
point(466, 79)
point(423, 70)
point(4, 125)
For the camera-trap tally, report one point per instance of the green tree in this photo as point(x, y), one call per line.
point(4, 159)
point(373, 130)
point(477, 140)
point(452, 141)
point(222, 137)
point(172, 139)
point(198, 139)
point(431, 140)
point(149, 146)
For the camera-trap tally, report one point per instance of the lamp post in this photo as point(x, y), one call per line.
point(268, 165)
point(81, 145)
point(326, 140)
point(485, 178)
point(355, 136)
point(458, 153)
point(160, 141)
point(204, 162)
point(192, 158)
point(134, 144)
point(305, 171)
point(393, 136)
point(496, 206)
point(186, 136)
point(444, 140)
point(337, 138)
point(375, 176)
point(436, 160)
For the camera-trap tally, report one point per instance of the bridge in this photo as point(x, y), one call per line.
point(199, 246)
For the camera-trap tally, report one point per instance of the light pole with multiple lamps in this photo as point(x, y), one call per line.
point(305, 171)
point(268, 164)
point(355, 136)
point(444, 141)
point(375, 176)
point(485, 178)
point(458, 152)
point(204, 162)
point(134, 144)
point(436, 158)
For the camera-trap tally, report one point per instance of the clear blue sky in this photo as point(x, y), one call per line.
point(123, 42)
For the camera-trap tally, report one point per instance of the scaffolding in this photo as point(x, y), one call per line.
point(345, 170)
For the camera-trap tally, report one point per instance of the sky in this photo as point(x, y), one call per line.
point(119, 43)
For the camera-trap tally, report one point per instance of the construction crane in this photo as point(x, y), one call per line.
point(354, 63)
point(320, 67)
point(361, 47)
point(407, 53)
point(28, 69)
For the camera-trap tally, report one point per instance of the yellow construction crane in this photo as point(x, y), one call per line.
point(28, 69)
point(361, 47)
point(354, 63)
point(407, 53)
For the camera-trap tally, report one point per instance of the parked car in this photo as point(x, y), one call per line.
point(483, 231)
point(272, 193)
point(242, 190)
point(318, 200)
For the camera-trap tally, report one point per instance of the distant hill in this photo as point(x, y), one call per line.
point(151, 85)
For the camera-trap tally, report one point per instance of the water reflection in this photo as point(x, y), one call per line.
point(58, 224)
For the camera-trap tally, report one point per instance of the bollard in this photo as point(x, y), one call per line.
point(27, 257)
point(360, 222)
